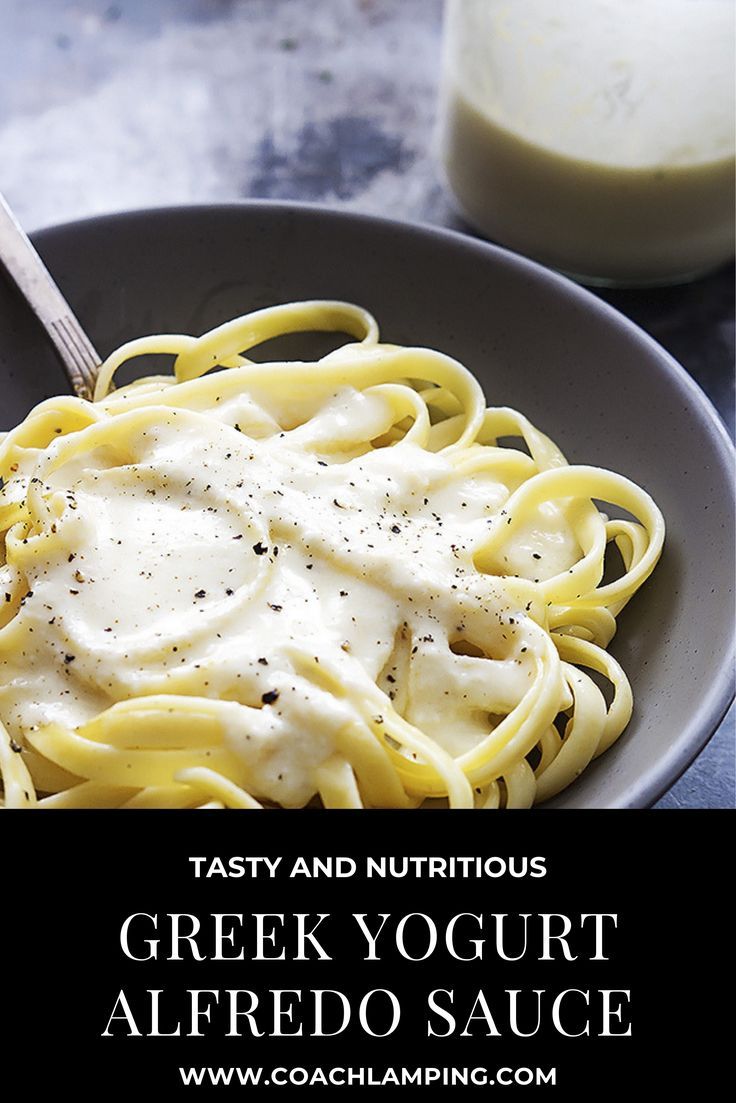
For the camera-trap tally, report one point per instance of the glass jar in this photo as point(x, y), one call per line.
point(596, 136)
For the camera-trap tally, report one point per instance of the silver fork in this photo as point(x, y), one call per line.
point(23, 264)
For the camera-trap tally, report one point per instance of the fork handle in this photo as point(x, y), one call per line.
point(25, 267)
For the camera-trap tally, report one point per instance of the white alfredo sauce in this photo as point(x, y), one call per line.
point(198, 561)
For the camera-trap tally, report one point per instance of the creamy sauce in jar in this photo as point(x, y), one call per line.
point(596, 136)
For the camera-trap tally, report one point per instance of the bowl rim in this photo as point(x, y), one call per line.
point(714, 705)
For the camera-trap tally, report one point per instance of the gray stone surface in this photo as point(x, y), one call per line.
point(111, 105)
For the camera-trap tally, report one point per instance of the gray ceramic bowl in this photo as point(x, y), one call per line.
point(598, 385)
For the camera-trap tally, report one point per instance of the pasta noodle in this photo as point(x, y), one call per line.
point(345, 582)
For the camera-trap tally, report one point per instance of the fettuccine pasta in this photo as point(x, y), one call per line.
point(346, 582)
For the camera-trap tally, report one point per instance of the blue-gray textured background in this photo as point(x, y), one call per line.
point(137, 103)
